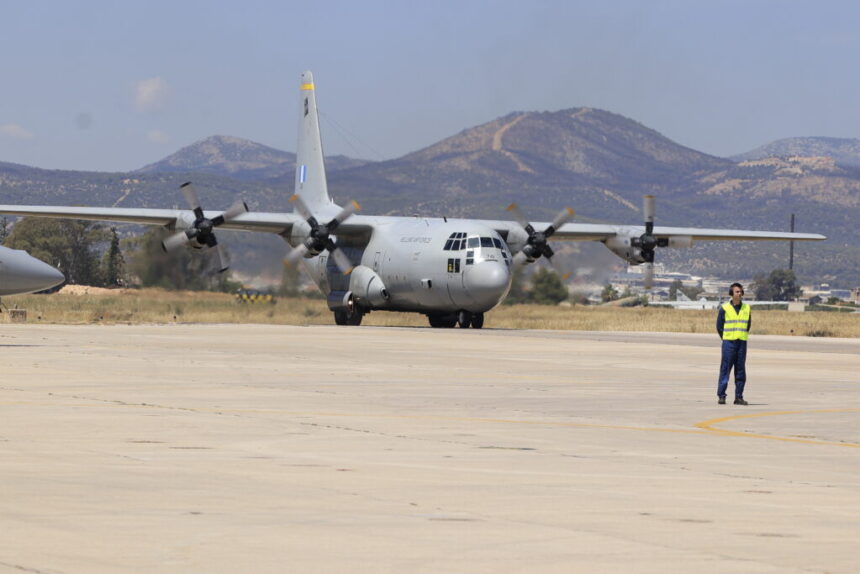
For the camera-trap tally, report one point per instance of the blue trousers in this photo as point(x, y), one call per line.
point(734, 357)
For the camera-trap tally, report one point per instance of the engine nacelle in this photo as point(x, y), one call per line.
point(622, 246)
point(627, 246)
point(367, 287)
point(299, 233)
point(516, 239)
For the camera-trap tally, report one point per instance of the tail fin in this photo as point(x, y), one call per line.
point(311, 183)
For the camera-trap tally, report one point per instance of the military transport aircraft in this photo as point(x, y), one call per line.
point(22, 273)
point(451, 270)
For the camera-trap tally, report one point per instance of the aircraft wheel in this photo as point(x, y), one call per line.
point(442, 321)
point(348, 317)
point(464, 319)
point(477, 320)
point(354, 318)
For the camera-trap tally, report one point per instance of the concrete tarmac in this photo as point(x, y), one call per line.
point(249, 448)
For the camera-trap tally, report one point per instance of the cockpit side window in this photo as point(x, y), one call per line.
point(497, 242)
point(486, 242)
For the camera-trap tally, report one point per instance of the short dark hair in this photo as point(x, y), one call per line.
point(732, 288)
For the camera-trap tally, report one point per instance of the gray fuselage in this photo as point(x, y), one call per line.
point(421, 265)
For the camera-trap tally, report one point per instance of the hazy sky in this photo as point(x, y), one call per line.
point(112, 86)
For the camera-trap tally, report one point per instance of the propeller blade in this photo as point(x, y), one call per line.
point(301, 207)
point(223, 258)
point(344, 214)
point(341, 260)
point(235, 210)
point(520, 217)
point(563, 217)
point(191, 196)
point(564, 275)
point(648, 275)
point(296, 255)
point(648, 209)
point(175, 241)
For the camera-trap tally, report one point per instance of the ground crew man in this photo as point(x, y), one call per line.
point(733, 325)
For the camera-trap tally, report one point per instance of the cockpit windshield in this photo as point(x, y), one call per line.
point(487, 249)
point(478, 248)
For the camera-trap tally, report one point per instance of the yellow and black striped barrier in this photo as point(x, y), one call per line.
point(249, 296)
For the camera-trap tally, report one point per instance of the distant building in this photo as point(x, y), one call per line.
point(824, 292)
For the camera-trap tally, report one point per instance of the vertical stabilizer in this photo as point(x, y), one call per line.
point(311, 183)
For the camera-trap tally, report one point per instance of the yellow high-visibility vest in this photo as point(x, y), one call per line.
point(737, 324)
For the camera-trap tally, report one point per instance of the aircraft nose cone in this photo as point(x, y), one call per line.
point(22, 273)
point(487, 282)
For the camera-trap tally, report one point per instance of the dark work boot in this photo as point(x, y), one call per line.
point(721, 401)
point(740, 401)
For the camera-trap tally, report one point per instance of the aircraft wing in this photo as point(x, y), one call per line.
point(280, 223)
point(602, 232)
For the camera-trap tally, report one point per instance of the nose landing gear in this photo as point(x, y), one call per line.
point(466, 319)
point(351, 315)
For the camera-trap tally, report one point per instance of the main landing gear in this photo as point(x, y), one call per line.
point(348, 317)
point(464, 319)
point(351, 315)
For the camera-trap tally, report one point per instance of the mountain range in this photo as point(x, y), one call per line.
point(597, 162)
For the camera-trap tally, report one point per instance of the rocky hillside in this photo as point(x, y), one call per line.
point(598, 162)
point(845, 151)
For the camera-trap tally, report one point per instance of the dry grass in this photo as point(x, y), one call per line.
point(158, 306)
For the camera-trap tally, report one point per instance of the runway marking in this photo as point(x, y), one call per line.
point(708, 426)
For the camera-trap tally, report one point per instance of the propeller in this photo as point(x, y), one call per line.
point(319, 238)
point(202, 230)
point(536, 245)
point(647, 243)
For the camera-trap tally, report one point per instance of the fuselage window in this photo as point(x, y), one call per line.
point(454, 265)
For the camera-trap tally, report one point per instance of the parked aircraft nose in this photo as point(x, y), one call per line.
point(487, 282)
point(22, 273)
